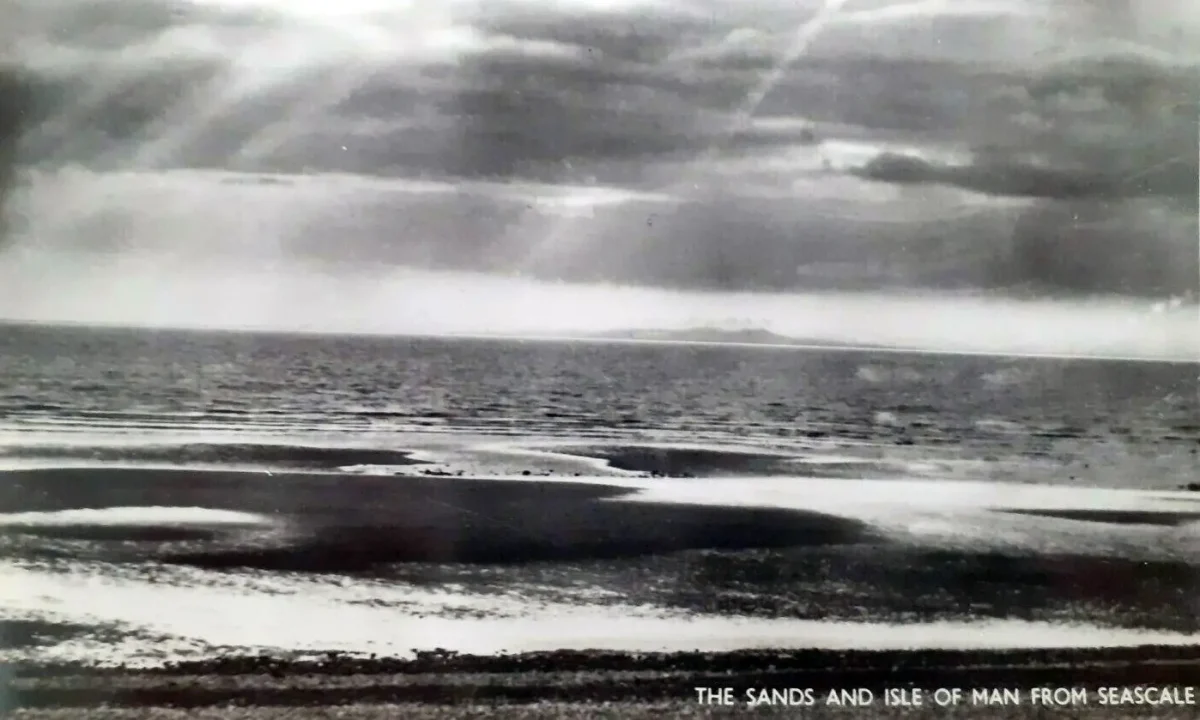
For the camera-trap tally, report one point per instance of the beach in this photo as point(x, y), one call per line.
point(251, 525)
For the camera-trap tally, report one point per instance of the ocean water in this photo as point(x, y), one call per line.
point(182, 494)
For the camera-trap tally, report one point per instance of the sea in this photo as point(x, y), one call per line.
point(170, 495)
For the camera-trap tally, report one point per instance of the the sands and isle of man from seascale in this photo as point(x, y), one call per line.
point(949, 696)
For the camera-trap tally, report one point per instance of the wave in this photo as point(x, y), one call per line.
point(176, 613)
point(134, 516)
point(678, 460)
point(159, 524)
point(283, 456)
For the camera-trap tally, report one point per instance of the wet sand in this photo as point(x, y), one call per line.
point(576, 543)
point(571, 684)
point(690, 461)
point(352, 523)
point(773, 563)
point(263, 455)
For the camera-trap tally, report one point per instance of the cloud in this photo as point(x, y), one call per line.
point(506, 88)
point(922, 9)
point(473, 96)
point(1107, 148)
point(354, 225)
point(1027, 107)
point(1093, 128)
point(15, 94)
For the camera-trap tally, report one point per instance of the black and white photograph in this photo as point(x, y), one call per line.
point(599, 359)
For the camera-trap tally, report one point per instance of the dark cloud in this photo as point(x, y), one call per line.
point(492, 114)
point(648, 41)
point(543, 88)
point(1104, 128)
point(1172, 177)
point(1095, 246)
point(103, 25)
point(1108, 149)
point(15, 96)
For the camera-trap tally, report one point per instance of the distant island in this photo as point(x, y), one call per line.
point(748, 336)
point(706, 334)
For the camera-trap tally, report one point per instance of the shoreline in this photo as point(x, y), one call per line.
point(566, 683)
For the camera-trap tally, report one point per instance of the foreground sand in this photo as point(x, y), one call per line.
point(593, 684)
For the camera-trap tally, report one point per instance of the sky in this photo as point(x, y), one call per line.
point(1015, 148)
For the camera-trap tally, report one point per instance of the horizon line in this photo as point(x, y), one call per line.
point(800, 344)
